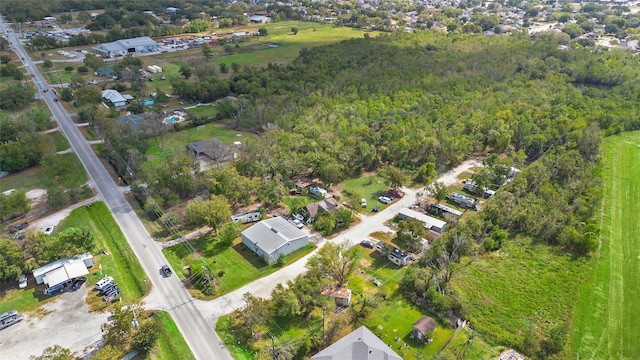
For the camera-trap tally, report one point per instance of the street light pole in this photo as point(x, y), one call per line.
point(323, 326)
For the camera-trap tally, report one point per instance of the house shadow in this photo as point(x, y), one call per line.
point(379, 261)
point(250, 256)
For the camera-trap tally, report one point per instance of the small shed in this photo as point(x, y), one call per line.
point(342, 296)
point(423, 329)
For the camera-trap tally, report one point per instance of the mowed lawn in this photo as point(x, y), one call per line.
point(607, 316)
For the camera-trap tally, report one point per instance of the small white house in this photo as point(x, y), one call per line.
point(429, 222)
point(273, 238)
point(59, 273)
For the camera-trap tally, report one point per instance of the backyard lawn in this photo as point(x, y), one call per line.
point(607, 314)
point(179, 140)
point(233, 266)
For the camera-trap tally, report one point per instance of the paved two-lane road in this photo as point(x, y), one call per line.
point(169, 293)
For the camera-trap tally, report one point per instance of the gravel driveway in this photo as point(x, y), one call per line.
point(65, 322)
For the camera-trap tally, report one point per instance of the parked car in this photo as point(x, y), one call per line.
point(376, 208)
point(297, 223)
point(367, 244)
point(49, 230)
point(395, 193)
point(295, 192)
point(22, 282)
point(165, 270)
point(18, 227)
point(363, 202)
point(384, 199)
point(297, 216)
point(102, 282)
point(78, 283)
point(112, 295)
point(108, 287)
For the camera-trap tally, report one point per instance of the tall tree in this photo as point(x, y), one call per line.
point(337, 261)
point(11, 260)
point(207, 51)
point(213, 212)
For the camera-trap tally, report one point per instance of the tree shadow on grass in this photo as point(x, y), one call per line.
point(250, 256)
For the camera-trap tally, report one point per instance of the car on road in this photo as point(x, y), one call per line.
point(33, 75)
point(376, 208)
point(78, 283)
point(22, 282)
point(367, 244)
point(199, 104)
point(363, 202)
point(165, 270)
point(49, 230)
point(395, 193)
point(45, 90)
point(55, 99)
point(384, 199)
point(297, 223)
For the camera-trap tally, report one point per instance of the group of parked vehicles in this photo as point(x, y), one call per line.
point(108, 288)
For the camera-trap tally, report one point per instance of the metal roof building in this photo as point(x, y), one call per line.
point(58, 273)
point(360, 344)
point(126, 46)
point(273, 238)
point(429, 222)
point(114, 97)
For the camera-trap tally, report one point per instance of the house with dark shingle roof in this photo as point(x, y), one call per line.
point(214, 149)
point(327, 204)
point(360, 344)
point(132, 120)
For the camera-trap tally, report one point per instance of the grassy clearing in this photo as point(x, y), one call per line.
point(27, 179)
point(119, 260)
point(294, 203)
point(226, 334)
point(171, 344)
point(23, 299)
point(59, 141)
point(607, 313)
point(524, 284)
point(369, 187)
point(233, 266)
point(179, 140)
point(209, 111)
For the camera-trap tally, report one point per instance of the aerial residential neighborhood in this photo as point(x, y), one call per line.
point(195, 179)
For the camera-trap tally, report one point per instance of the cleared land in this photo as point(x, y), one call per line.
point(608, 311)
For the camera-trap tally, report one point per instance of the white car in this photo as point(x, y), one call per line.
point(22, 282)
point(363, 202)
point(384, 199)
point(49, 230)
point(297, 223)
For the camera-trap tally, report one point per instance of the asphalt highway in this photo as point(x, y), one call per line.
point(169, 293)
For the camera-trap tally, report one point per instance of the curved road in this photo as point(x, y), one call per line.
point(169, 293)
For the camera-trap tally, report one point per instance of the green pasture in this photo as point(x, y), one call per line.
point(522, 285)
point(607, 314)
point(209, 111)
point(233, 267)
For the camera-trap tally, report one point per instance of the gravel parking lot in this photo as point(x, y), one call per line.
point(65, 322)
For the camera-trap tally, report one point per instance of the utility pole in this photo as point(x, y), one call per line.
point(273, 349)
point(323, 326)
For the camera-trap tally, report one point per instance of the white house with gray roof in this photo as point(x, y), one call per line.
point(123, 47)
point(272, 238)
point(360, 344)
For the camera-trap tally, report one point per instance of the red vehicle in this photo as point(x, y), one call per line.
point(395, 193)
point(33, 75)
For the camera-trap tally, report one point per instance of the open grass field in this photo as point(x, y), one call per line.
point(179, 140)
point(119, 260)
point(233, 266)
point(522, 285)
point(607, 315)
point(170, 344)
point(34, 177)
point(60, 142)
point(369, 187)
